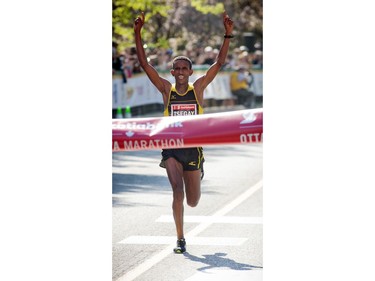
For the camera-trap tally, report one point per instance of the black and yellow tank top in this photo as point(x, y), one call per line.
point(183, 104)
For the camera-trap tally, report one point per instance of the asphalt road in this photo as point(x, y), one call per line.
point(223, 233)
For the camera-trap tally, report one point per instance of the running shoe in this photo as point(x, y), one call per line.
point(181, 246)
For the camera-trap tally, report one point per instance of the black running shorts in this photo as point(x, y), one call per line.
point(191, 158)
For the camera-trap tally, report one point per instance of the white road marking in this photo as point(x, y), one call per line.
point(224, 275)
point(214, 219)
point(147, 264)
point(227, 208)
point(209, 241)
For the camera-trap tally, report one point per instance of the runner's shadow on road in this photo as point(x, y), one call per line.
point(217, 260)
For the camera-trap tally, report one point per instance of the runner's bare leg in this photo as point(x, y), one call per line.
point(175, 176)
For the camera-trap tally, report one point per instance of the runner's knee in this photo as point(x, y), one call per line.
point(192, 202)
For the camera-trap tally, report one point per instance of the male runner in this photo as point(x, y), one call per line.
point(184, 166)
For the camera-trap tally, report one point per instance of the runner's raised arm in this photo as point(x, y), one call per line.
point(160, 83)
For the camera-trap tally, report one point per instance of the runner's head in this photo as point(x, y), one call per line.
point(182, 70)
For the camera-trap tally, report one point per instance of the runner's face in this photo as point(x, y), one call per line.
point(181, 71)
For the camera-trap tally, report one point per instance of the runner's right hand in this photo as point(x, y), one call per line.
point(139, 21)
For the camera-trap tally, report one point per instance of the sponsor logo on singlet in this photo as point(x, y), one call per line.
point(183, 109)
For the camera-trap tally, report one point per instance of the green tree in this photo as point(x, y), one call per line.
point(191, 23)
point(124, 13)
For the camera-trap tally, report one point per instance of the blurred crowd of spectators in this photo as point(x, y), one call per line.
point(240, 61)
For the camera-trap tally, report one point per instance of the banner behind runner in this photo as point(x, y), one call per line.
point(242, 126)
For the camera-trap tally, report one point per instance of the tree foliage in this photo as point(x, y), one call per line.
point(191, 23)
point(205, 8)
point(124, 13)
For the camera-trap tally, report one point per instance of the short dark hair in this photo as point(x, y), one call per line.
point(182, 58)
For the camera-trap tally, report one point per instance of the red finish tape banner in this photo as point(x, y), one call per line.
point(233, 127)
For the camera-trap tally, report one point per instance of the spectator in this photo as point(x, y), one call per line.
point(231, 62)
point(240, 86)
point(116, 63)
point(257, 60)
point(244, 60)
point(136, 67)
point(209, 55)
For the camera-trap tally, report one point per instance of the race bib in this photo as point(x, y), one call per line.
point(183, 109)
